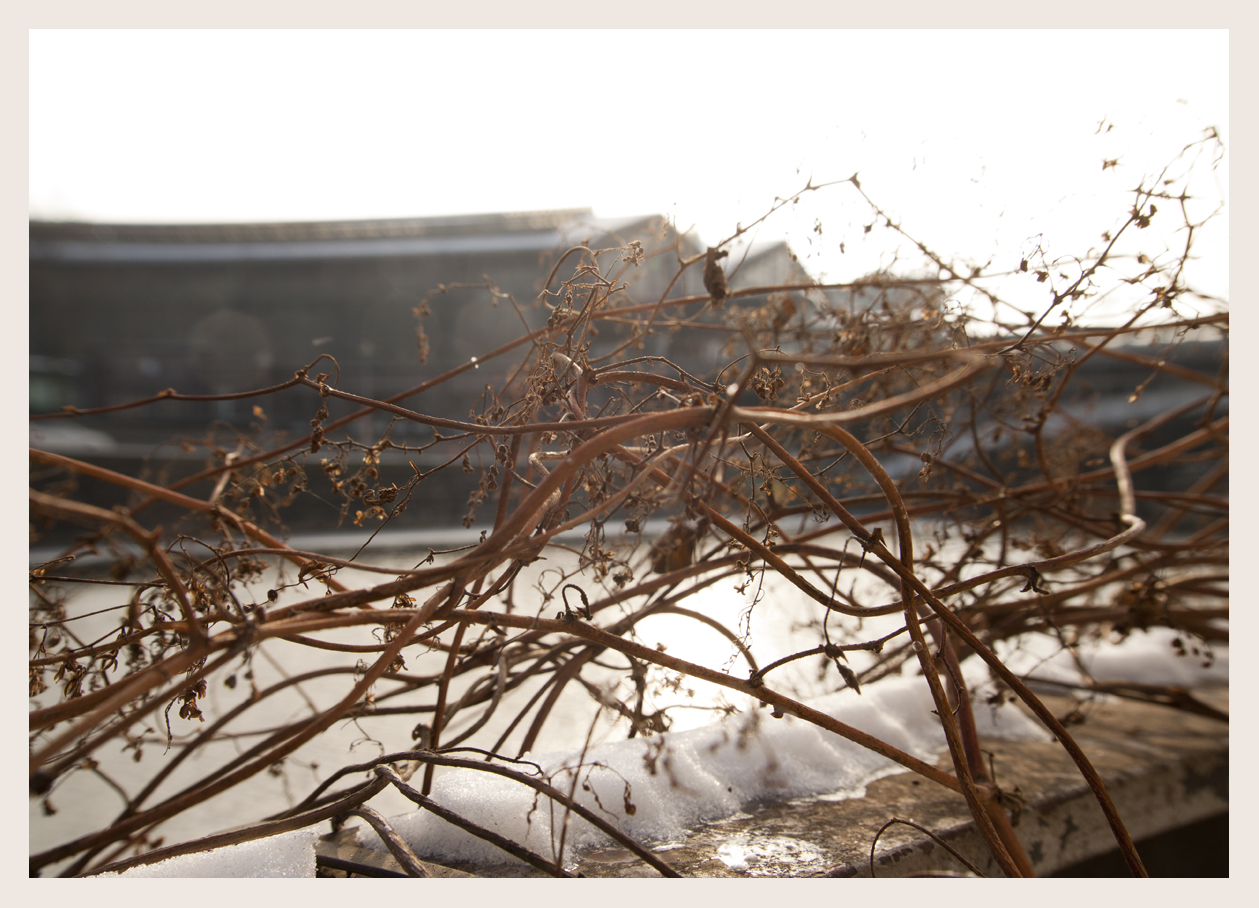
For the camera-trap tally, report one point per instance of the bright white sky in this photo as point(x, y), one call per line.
point(974, 140)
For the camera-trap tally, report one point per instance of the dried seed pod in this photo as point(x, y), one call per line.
point(715, 275)
point(676, 548)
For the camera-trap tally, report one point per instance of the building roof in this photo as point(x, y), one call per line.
point(138, 243)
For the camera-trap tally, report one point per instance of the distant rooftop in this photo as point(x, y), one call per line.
point(305, 231)
point(74, 241)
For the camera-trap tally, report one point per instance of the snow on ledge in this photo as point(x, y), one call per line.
point(290, 854)
point(655, 789)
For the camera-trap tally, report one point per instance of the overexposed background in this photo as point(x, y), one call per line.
point(976, 141)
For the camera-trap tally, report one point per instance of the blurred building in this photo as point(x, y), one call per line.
point(121, 312)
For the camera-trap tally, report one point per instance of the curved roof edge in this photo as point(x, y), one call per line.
point(306, 231)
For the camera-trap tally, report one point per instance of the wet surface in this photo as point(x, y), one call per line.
point(762, 855)
point(1152, 759)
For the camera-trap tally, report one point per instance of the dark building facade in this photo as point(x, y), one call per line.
point(121, 312)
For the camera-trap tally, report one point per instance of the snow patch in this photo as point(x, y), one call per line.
point(1144, 657)
point(290, 854)
point(656, 789)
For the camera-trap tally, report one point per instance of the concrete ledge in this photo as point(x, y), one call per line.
point(1164, 768)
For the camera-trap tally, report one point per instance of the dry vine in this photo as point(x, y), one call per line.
point(788, 460)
